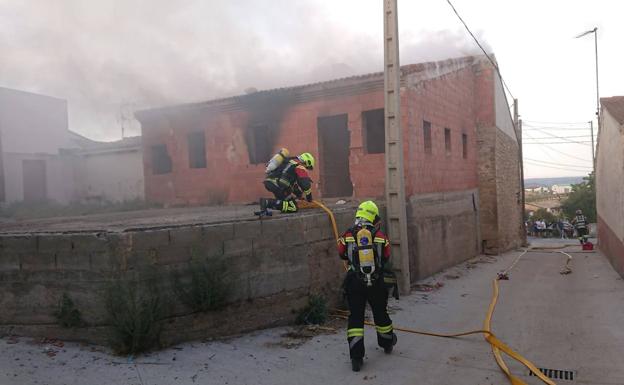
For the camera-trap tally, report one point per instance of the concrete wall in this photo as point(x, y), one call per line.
point(443, 231)
point(110, 176)
point(273, 270)
point(610, 190)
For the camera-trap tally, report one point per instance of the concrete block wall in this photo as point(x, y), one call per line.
point(274, 265)
point(443, 231)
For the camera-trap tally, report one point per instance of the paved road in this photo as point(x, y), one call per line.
point(572, 322)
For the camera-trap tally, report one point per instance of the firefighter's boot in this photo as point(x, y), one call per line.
point(269, 203)
point(356, 364)
point(388, 349)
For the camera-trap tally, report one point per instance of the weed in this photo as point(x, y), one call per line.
point(208, 286)
point(67, 314)
point(315, 312)
point(135, 310)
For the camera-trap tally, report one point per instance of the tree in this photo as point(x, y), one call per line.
point(583, 197)
point(544, 214)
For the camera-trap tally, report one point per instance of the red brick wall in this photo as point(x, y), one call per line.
point(447, 102)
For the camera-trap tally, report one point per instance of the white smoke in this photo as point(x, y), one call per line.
point(110, 57)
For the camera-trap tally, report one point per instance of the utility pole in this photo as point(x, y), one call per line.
point(518, 126)
point(395, 181)
point(595, 32)
point(597, 83)
point(591, 127)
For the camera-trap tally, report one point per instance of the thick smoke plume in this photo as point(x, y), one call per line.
point(110, 57)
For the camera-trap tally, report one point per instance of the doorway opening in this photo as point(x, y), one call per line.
point(34, 180)
point(334, 144)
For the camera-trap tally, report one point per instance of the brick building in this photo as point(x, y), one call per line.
point(610, 181)
point(461, 152)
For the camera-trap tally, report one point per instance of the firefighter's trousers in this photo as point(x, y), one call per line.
point(357, 296)
point(283, 200)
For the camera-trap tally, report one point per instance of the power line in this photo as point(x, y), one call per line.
point(563, 153)
point(534, 128)
point(584, 143)
point(558, 168)
point(571, 136)
point(555, 164)
point(542, 122)
point(553, 136)
point(482, 49)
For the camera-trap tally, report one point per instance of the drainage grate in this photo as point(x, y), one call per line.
point(556, 374)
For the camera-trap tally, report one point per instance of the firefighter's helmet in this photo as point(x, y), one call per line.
point(307, 159)
point(367, 210)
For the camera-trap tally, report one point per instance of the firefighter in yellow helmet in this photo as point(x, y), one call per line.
point(288, 181)
point(367, 250)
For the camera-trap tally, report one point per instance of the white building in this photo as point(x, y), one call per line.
point(35, 164)
point(561, 189)
point(108, 171)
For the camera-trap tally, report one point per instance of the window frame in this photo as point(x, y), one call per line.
point(448, 141)
point(156, 163)
point(193, 138)
point(427, 137)
point(366, 132)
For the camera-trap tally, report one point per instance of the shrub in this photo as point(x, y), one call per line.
point(135, 311)
point(315, 312)
point(67, 314)
point(208, 286)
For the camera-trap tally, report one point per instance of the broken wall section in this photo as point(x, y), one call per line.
point(274, 263)
point(443, 230)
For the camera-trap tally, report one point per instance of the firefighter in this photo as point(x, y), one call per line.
point(367, 250)
point(580, 223)
point(289, 180)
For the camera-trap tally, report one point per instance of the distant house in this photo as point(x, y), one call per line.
point(107, 171)
point(537, 190)
point(610, 181)
point(561, 189)
point(41, 160)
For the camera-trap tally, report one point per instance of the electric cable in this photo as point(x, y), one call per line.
point(482, 49)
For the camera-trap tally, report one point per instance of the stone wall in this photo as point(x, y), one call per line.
point(276, 263)
point(509, 193)
point(443, 230)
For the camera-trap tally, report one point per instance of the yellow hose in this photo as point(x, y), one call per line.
point(497, 345)
point(334, 227)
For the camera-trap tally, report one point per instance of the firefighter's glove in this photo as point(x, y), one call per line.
point(390, 282)
point(309, 197)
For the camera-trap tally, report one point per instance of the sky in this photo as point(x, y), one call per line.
point(108, 58)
